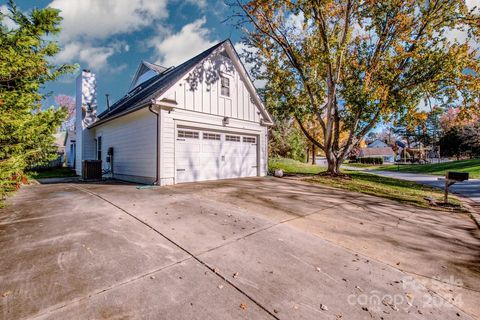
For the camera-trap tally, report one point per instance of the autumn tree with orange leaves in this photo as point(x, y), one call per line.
point(353, 64)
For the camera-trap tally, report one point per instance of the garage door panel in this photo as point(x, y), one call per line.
point(189, 163)
point(207, 158)
point(188, 147)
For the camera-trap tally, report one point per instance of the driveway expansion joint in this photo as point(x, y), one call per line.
point(107, 289)
point(190, 254)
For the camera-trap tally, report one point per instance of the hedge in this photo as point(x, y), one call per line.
point(371, 160)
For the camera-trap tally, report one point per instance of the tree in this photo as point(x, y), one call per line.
point(287, 141)
point(67, 103)
point(352, 64)
point(461, 141)
point(26, 130)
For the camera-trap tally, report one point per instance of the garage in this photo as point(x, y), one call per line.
point(178, 124)
point(202, 154)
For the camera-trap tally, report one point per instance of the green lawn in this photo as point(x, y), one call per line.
point(293, 166)
point(470, 166)
point(361, 165)
point(52, 173)
point(394, 189)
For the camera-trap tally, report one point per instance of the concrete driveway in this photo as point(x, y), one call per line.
point(236, 249)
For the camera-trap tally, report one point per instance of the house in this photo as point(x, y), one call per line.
point(372, 152)
point(377, 143)
point(201, 120)
point(69, 144)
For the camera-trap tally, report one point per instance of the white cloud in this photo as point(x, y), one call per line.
point(88, 24)
point(202, 4)
point(461, 35)
point(7, 22)
point(176, 48)
point(88, 55)
point(97, 19)
point(473, 3)
point(240, 47)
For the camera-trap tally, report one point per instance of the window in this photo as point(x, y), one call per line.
point(232, 138)
point(225, 86)
point(249, 139)
point(211, 136)
point(187, 134)
point(99, 148)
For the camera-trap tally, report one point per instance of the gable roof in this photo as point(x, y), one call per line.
point(372, 152)
point(143, 68)
point(377, 143)
point(142, 94)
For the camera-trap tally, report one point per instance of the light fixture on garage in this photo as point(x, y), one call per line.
point(225, 121)
point(166, 104)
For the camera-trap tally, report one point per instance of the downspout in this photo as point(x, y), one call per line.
point(157, 159)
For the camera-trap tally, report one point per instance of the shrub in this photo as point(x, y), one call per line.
point(371, 160)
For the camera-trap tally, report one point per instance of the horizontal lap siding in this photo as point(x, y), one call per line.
point(167, 153)
point(133, 138)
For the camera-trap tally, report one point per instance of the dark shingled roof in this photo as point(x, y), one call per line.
point(141, 94)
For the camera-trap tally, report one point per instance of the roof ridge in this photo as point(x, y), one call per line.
point(119, 104)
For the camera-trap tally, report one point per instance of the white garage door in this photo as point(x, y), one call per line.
point(209, 155)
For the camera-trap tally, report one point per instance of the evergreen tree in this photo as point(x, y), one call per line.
point(26, 130)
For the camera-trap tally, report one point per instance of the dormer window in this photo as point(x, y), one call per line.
point(224, 86)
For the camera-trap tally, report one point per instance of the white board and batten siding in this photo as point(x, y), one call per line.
point(133, 138)
point(203, 110)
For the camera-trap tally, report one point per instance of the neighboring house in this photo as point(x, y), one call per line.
point(70, 148)
point(386, 153)
point(201, 120)
point(377, 143)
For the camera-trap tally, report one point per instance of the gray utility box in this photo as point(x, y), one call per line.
point(92, 170)
point(456, 176)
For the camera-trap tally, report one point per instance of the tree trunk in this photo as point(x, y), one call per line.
point(333, 164)
point(313, 154)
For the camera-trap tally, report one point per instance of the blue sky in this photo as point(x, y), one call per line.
point(111, 37)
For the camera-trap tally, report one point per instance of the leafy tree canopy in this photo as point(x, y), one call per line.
point(352, 64)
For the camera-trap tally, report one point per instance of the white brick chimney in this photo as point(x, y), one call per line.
point(86, 114)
